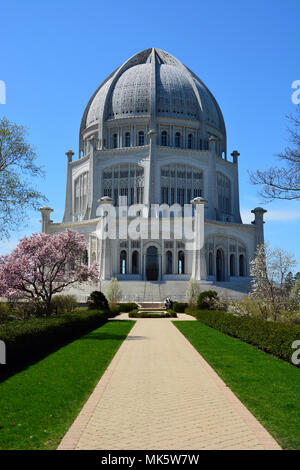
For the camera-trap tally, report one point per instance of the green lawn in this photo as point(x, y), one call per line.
point(38, 405)
point(269, 387)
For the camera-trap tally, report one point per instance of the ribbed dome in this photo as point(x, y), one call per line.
point(128, 92)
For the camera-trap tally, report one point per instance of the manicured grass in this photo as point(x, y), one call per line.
point(38, 405)
point(268, 387)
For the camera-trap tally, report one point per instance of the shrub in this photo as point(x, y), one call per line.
point(30, 340)
point(97, 301)
point(128, 306)
point(272, 337)
point(204, 299)
point(191, 311)
point(114, 310)
point(63, 303)
point(26, 309)
point(179, 307)
point(4, 312)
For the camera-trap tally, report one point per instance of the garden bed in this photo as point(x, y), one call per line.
point(40, 403)
point(273, 337)
point(29, 340)
point(268, 386)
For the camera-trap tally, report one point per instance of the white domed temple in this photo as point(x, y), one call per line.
point(153, 135)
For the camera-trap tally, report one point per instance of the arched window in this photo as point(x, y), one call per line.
point(141, 136)
point(224, 194)
point(180, 183)
point(169, 262)
point(232, 265)
point(123, 262)
point(177, 139)
point(210, 264)
point(124, 180)
point(80, 196)
point(242, 266)
point(164, 138)
point(85, 258)
point(135, 262)
point(201, 144)
point(180, 262)
point(190, 141)
point(115, 141)
point(127, 139)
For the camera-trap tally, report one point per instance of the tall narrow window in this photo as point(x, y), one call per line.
point(141, 138)
point(210, 264)
point(123, 262)
point(242, 265)
point(164, 138)
point(80, 193)
point(232, 265)
point(177, 139)
point(201, 144)
point(127, 139)
point(224, 194)
point(180, 262)
point(115, 141)
point(135, 262)
point(169, 262)
point(190, 141)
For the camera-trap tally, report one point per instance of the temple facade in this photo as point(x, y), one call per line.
point(152, 147)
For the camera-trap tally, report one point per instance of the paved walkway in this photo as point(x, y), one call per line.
point(159, 393)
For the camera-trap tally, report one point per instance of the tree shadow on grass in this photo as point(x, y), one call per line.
point(110, 336)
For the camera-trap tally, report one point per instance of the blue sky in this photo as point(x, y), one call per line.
point(54, 55)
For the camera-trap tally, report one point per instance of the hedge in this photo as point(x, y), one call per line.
point(29, 340)
point(179, 307)
point(273, 337)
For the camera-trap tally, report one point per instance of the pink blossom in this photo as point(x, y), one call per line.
point(42, 265)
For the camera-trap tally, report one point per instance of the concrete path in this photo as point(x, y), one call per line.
point(159, 393)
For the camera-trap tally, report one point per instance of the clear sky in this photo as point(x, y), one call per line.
point(54, 54)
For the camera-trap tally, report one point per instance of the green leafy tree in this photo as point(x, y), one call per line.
point(17, 164)
point(289, 281)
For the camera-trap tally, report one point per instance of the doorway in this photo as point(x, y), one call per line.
point(152, 268)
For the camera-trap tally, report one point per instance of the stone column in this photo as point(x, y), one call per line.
point(92, 178)
point(212, 179)
point(199, 262)
point(69, 197)
point(259, 224)
point(45, 211)
point(235, 197)
point(105, 256)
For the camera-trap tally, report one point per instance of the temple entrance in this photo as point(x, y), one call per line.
point(220, 266)
point(152, 268)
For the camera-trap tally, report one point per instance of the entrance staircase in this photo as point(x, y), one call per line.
point(157, 291)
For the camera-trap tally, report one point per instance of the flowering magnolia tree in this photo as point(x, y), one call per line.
point(43, 265)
